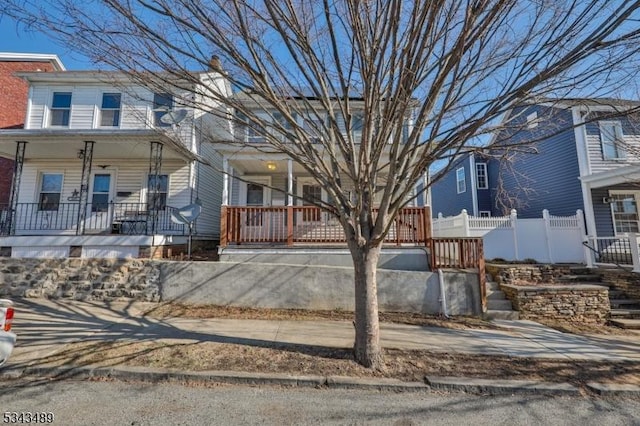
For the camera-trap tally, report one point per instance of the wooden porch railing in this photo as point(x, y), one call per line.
point(307, 224)
point(460, 253)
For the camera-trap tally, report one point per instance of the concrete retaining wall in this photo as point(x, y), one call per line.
point(237, 284)
point(312, 287)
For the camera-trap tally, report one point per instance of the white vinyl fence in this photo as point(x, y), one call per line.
point(550, 239)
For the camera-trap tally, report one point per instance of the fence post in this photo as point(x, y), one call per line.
point(224, 230)
point(584, 238)
point(439, 222)
point(635, 253)
point(465, 222)
point(547, 233)
point(289, 225)
point(514, 226)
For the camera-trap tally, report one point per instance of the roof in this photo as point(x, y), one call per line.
point(587, 102)
point(33, 57)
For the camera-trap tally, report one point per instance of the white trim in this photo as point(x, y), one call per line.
point(464, 180)
point(290, 182)
point(486, 176)
point(259, 179)
point(636, 195)
point(27, 118)
point(472, 178)
point(225, 181)
point(584, 166)
point(33, 57)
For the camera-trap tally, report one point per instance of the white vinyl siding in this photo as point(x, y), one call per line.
point(39, 100)
point(596, 161)
point(83, 108)
point(210, 193)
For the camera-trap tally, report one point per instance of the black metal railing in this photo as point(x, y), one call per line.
point(114, 218)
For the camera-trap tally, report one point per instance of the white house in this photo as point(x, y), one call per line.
point(103, 162)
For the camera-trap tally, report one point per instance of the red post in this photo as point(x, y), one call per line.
point(223, 227)
point(289, 225)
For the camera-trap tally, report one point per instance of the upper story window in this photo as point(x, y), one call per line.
point(481, 176)
point(461, 183)
point(315, 126)
point(611, 138)
point(162, 104)
point(157, 201)
point(532, 120)
point(284, 124)
point(110, 110)
point(357, 124)
point(50, 190)
point(248, 132)
point(60, 108)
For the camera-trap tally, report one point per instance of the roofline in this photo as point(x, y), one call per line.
point(33, 57)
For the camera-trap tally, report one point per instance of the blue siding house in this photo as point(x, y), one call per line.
point(559, 155)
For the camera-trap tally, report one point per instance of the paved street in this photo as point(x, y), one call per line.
point(118, 403)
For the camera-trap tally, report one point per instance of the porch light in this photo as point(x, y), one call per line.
point(80, 154)
point(271, 166)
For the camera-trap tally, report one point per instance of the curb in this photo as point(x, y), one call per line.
point(432, 383)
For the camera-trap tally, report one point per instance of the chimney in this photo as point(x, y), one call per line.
point(214, 64)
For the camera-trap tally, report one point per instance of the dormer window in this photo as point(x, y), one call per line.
point(162, 104)
point(357, 124)
point(60, 108)
point(110, 110)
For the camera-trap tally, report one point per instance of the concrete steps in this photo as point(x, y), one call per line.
point(625, 314)
point(624, 303)
point(498, 307)
point(580, 278)
point(630, 324)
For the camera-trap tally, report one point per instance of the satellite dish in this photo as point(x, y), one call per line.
point(174, 117)
point(185, 216)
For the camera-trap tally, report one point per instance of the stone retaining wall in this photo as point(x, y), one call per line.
point(80, 279)
point(524, 273)
point(626, 281)
point(574, 303)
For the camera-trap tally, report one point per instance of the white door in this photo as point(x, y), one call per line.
point(256, 223)
point(99, 209)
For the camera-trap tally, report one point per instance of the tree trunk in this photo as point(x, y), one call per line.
point(366, 349)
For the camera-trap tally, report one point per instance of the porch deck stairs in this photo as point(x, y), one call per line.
point(625, 311)
point(498, 306)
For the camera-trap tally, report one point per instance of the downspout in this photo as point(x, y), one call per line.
point(443, 298)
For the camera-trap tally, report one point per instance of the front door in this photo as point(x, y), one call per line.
point(99, 208)
point(255, 223)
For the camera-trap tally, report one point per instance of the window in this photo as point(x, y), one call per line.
point(461, 183)
point(532, 120)
point(481, 176)
point(162, 103)
point(159, 202)
point(50, 190)
point(315, 128)
point(248, 132)
point(285, 124)
point(624, 209)
point(357, 124)
point(611, 138)
point(484, 213)
point(100, 193)
point(110, 110)
point(60, 108)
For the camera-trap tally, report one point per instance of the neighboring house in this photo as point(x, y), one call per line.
point(255, 202)
point(587, 157)
point(13, 100)
point(103, 162)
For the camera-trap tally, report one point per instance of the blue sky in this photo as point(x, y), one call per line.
point(13, 38)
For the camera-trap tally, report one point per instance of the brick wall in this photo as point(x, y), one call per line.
point(575, 303)
point(13, 108)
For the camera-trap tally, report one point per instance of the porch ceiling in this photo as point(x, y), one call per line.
point(108, 144)
point(266, 165)
point(620, 175)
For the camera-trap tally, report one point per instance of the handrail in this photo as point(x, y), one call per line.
point(596, 251)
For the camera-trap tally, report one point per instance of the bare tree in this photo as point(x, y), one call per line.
point(451, 67)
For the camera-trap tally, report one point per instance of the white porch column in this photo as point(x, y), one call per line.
point(289, 182)
point(225, 180)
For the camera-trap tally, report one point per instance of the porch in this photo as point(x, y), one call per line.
point(99, 219)
point(304, 225)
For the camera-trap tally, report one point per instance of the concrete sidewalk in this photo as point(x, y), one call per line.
point(44, 327)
